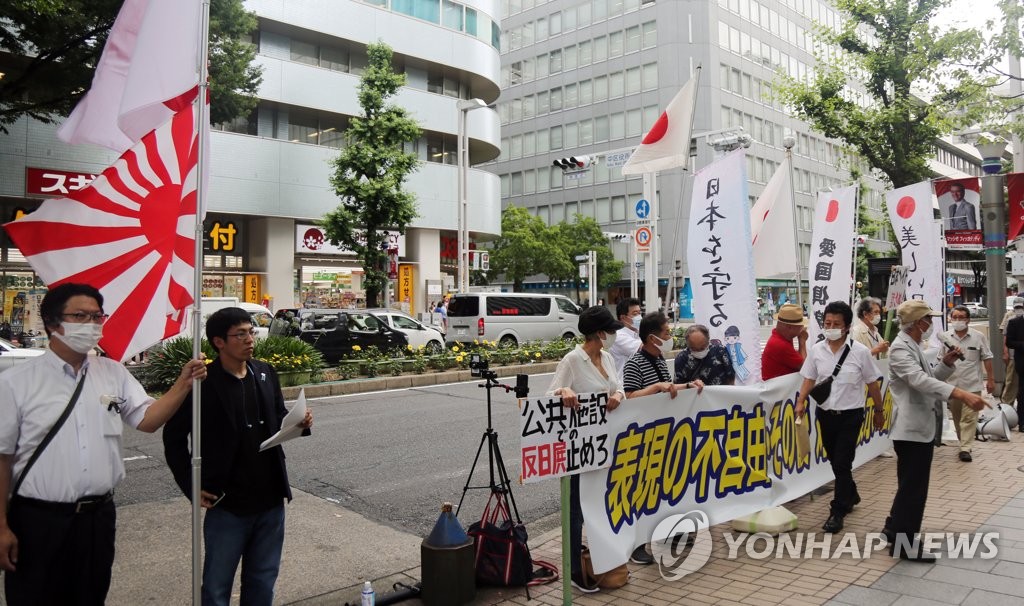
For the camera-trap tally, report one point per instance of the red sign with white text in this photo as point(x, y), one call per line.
point(46, 182)
point(1015, 210)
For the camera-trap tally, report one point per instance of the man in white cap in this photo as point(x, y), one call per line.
point(918, 392)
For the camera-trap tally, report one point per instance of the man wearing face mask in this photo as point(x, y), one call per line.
point(967, 375)
point(703, 360)
point(918, 391)
point(841, 415)
point(865, 329)
point(57, 530)
point(627, 339)
point(646, 373)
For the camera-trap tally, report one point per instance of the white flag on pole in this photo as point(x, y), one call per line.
point(912, 218)
point(830, 266)
point(667, 144)
point(771, 227)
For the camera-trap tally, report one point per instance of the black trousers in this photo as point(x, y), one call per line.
point(839, 431)
point(1018, 366)
point(63, 557)
point(913, 471)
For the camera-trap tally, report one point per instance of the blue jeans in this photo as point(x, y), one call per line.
point(256, 540)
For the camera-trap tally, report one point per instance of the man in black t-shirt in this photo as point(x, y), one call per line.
point(243, 489)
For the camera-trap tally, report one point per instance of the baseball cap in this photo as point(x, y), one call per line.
point(913, 310)
point(791, 314)
point(1018, 302)
point(597, 318)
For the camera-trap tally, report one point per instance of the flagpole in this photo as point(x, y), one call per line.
point(788, 142)
point(197, 292)
point(856, 243)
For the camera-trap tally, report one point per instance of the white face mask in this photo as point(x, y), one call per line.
point(664, 346)
point(833, 334)
point(608, 340)
point(79, 337)
point(928, 333)
point(959, 324)
point(700, 355)
point(634, 321)
point(1018, 312)
point(875, 319)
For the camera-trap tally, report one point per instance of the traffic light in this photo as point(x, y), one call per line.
point(573, 163)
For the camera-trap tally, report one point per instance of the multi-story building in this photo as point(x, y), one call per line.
point(270, 171)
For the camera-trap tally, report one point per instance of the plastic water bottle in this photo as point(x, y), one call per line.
point(369, 596)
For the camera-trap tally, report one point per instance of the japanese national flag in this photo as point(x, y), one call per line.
point(148, 71)
point(667, 144)
point(771, 227)
point(911, 211)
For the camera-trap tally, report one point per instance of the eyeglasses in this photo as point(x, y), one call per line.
point(245, 334)
point(81, 317)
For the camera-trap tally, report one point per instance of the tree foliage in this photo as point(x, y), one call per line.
point(526, 247)
point(891, 52)
point(371, 170)
point(49, 50)
point(580, 237)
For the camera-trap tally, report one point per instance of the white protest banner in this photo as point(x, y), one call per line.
point(910, 212)
point(727, 452)
point(830, 267)
point(897, 287)
point(557, 441)
point(721, 266)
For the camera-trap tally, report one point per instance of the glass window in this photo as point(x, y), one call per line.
point(543, 141)
point(583, 15)
point(529, 182)
point(586, 92)
point(542, 65)
point(452, 15)
point(571, 96)
point(528, 34)
point(542, 29)
point(569, 58)
point(556, 99)
point(529, 107)
point(334, 57)
point(600, 129)
point(600, 10)
point(471, 22)
point(601, 88)
point(615, 7)
point(428, 10)
point(435, 80)
point(585, 52)
point(529, 144)
point(545, 216)
point(555, 23)
point(555, 179)
point(555, 62)
point(617, 126)
point(504, 188)
point(556, 137)
point(651, 115)
point(517, 184)
point(586, 132)
point(516, 149)
point(650, 76)
point(633, 39)
point(603, 206)
point(571, 210)
point(571, 132)
point(632, 80)
point(332, 131)
point(569, 20)
point(305, 52)
point(600, 49)
point(633, 124)
point(302, 127)
point(650, 34)
point(601, 171)
point(516, 106)
point(543, 103)
point(619, 208)
point(616, 40)
point(543, 178)
point(529, 70)
point(616, 84)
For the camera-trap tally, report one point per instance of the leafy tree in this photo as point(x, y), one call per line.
point(578, 238)
point(52, 47)
point(900, 56)
point(371, 170)
point(526, 247)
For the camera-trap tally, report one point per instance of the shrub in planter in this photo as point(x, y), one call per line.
point(164, 362)
point(287, 354)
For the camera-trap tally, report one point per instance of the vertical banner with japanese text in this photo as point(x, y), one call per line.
point(1015, 209)
point(910, 212)
point(830, 267)
point(721, 263)
point(959, 200)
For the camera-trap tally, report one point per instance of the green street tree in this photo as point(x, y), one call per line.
point(578, 238)
point(526, 247)
point(371, 170)
point(49, 50)
point(901, 58)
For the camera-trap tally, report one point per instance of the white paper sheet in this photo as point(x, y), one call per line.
point(290, 425)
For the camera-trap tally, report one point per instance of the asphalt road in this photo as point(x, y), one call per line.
point(393, 457)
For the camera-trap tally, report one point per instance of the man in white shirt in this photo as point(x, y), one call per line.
point(967, 375)
point(627, 339)
point(57, 532)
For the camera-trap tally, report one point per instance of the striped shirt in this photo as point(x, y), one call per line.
point(643, 370)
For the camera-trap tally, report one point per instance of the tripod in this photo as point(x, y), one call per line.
point(500, 483)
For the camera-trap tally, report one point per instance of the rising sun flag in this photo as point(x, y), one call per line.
point(130, 234)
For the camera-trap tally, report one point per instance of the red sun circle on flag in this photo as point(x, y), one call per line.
point(657, 131)
point(832, 212)
point(906, 206)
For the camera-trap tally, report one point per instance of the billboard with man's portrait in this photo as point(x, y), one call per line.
point(959, 200)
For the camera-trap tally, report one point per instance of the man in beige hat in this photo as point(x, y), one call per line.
point(918, 393)
point(779, 357)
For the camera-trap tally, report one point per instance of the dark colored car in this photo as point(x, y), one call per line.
point(334, 332)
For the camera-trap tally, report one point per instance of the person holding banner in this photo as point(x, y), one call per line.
point(779, 358)
point(587, 369)
point(627, 341)
point(703, 360)
point(849, 366)
point(917, 391)
point(646, 373)
point(865, 330)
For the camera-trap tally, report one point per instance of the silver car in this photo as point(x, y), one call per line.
point(417, 332)
point(11, 354)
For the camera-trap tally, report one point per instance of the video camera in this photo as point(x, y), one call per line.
point(479, 367)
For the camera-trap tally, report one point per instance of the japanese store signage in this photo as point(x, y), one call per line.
point(47, 182)
point(311, 240)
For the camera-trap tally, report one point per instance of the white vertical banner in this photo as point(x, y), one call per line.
point(771, 225)
point(828, 268)
point(721, 266)
point(911, 215)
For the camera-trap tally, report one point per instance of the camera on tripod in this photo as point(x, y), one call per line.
point(478, 367)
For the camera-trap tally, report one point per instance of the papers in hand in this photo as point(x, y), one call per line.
point(290, 425)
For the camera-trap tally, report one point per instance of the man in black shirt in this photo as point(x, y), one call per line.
point(1015, 341)
point(646, 373)
point(243, 489)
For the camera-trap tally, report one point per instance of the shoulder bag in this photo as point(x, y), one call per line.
point(821, 391)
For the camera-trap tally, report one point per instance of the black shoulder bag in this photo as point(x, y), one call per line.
point(821, 391)
point(49, 436)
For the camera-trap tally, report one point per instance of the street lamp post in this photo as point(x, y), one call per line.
point(462, 163)
point(788, 142)
point(993, 224)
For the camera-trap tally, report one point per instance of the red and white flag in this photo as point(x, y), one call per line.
point(830, 266)
point(149, 70)
point(667, 144)
point(771, 227)
point(917, 232)
point(130, 233)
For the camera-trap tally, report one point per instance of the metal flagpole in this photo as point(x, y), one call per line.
point(856, 243)
point(197, 291)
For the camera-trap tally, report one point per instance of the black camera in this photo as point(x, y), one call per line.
point(477, 365)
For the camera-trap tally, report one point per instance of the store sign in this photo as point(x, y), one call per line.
point(220, 237)
point(323, 276)
point(45, 182)
point(311, 239)
point(253, 292)
point(406, 290)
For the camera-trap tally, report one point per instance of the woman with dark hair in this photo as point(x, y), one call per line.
point(587, 369)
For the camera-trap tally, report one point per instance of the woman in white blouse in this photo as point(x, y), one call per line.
point(587, 369)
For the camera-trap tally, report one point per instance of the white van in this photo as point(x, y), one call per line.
point(511, 318)
point(261, 316)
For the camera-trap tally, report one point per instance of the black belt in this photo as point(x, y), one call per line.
point(840, 412)
point(83, 505)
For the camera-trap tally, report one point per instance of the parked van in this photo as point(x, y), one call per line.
point(261, 316)
point(511, 318)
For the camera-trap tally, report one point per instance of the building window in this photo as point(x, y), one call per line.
point(305, 52)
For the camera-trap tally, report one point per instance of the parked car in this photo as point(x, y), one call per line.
point(978, 311)
point(11, 354)
point(334, 332)
point(511, 318)
point(417, 332)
